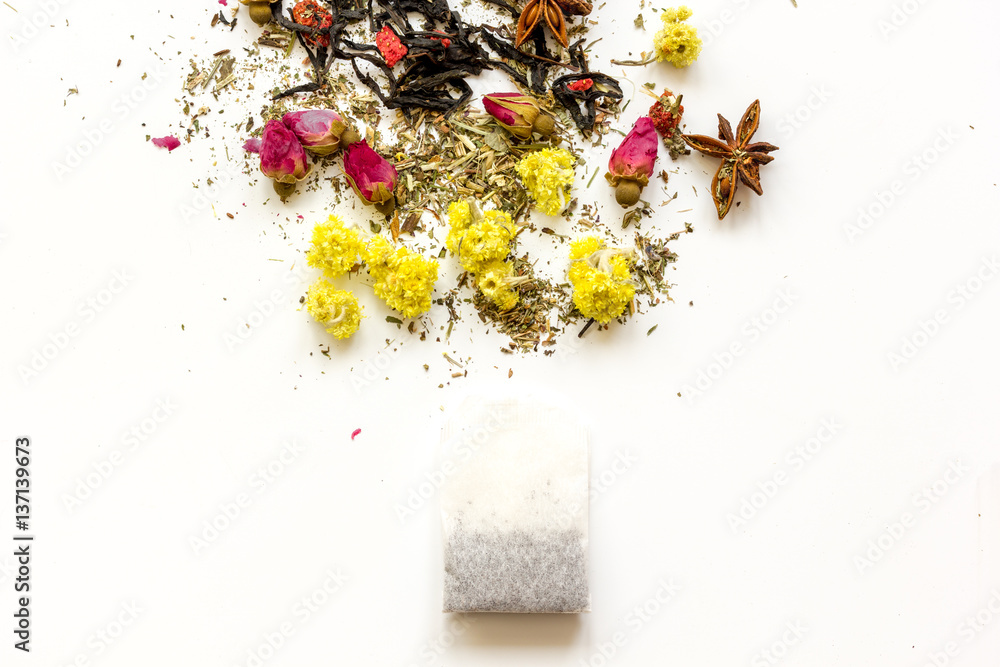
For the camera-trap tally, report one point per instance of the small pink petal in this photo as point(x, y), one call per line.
point(355, 434)
point(252, 145)
point(224, 3)
point(169, 142)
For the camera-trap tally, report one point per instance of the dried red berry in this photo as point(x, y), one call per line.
point(389, 46)
point(666, 113)
point(581, 84)
point(311, 13)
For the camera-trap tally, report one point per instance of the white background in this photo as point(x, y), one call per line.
point(851, 103)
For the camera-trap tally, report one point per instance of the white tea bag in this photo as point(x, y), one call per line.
point(515, 508)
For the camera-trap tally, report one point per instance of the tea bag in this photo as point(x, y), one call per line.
point(515, 508)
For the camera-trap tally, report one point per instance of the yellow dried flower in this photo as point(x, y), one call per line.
point(376, 255)
point(478, 238)
point(459, 219)
point(496, 281)
point(585, 246)
point(678, 42)
point(403, 279)
point(548, 176)
point(335, 248)
point(602, 283)
point(337, 309)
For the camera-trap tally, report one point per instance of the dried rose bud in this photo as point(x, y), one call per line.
point(631, 164)
point(318, 130)
point(519, 114)
point(282, 158)
point(389, 46)
point(371, 175)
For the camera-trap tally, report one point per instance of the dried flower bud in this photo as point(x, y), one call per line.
point(518, 114)
point(318, 130)
point(282, 157)
point(371, 175)
point(631, 164)
point(260, 10)
point(349, 137)
point(338, 310)
point(677, 42)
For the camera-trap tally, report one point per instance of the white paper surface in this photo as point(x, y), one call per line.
point(128, 288)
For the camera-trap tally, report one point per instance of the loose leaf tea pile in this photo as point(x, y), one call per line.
point(517, 155)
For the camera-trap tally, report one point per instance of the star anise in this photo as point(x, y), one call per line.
point(739, 156)
point(534, 13)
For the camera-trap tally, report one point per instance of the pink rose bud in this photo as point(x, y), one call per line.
point(631, 164)
point(282, 157)
point(318, 130)
point(518, 114)
point(371, 175)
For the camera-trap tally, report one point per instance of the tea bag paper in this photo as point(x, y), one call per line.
point(515, 508)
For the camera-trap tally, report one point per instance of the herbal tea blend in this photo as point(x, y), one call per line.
point(515, 508)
